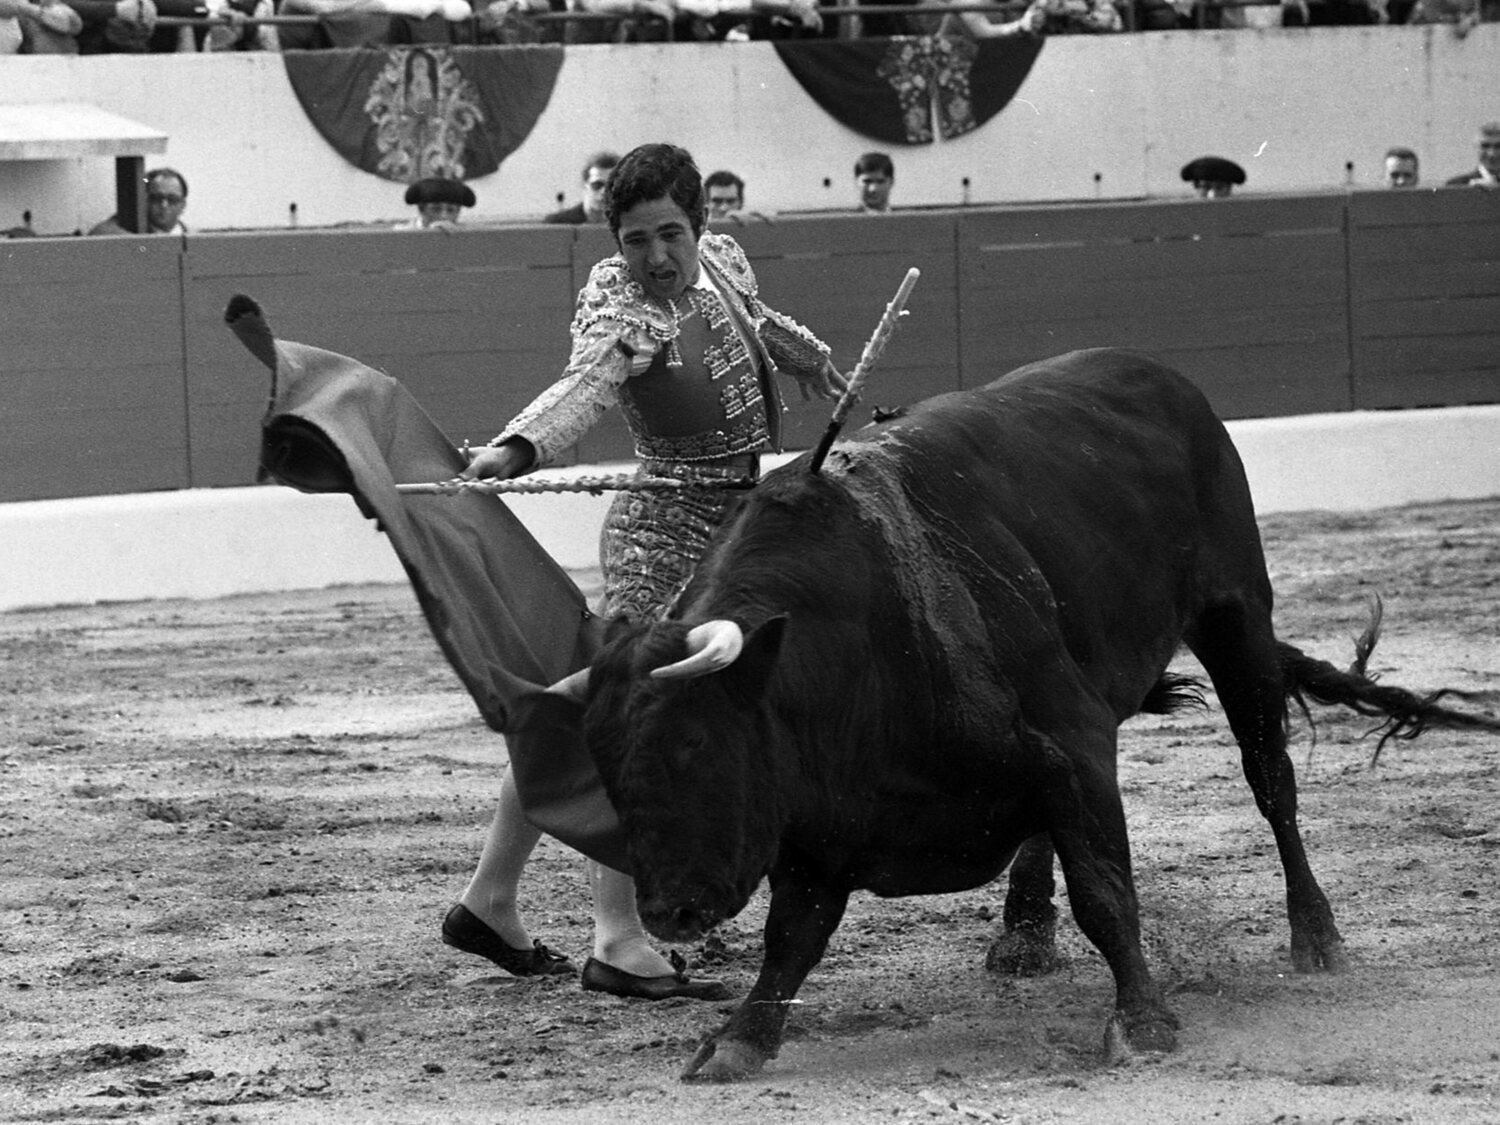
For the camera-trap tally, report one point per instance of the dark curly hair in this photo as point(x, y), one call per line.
point(652, 172)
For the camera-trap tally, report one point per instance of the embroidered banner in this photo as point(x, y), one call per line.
point(911, 90)
point(405, 113)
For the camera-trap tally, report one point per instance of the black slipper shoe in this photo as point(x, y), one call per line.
point(463, 931)
point(599, 977)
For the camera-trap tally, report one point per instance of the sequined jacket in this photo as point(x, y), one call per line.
point(613, 308)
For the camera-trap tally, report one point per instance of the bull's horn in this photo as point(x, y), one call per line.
point(574, 687)
point(712, 646)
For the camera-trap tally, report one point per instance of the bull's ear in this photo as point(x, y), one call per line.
point(751, 672)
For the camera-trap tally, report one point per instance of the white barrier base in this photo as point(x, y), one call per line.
point(207, 543)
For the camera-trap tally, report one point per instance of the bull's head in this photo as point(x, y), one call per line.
point(677, 722)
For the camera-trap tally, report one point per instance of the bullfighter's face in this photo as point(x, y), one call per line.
point(657, 240)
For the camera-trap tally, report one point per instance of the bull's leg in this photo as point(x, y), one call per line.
point(803, 914)
point(1028, 946)
point(1237, 647)
point(1088, 829)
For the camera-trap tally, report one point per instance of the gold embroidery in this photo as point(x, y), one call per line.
point(747, 435)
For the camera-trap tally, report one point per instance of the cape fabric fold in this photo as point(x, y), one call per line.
point(507, 617)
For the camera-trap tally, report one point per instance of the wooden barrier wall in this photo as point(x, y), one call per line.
point(1424, 279)
point(118, 374)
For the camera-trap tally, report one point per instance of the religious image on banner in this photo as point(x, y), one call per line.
point(911, 89)
point(410, 112)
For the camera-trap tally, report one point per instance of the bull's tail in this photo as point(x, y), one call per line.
point(1403, 714)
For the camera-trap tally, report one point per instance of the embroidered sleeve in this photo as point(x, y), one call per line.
point(613, 296)
point(611, 308)
point(564, 412)
point(728, 257)
point(794, 349)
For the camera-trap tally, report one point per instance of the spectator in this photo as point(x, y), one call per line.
point(367, 23)
point(49, 27)
point(1326, 13)
point(726, 194)
point(743, 20)
point(633, 20)
point(1213, 177)
point(166, 198)
point(1401, 169)
point(1089, 16)
point(509, 22)
point(977, 25)
point(1463, 15)
point(875, 175)
point(130, 26)
point(111, 26)
point(236, 31)
point(1487, 174)
point(590, 209)
point(1165, 15)
point(439, 201)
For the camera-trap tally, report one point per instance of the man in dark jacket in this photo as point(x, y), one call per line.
point(1487, 174)
point(595, 179)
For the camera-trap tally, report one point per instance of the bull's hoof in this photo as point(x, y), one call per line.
point(1023, 952)
point(724, 1060)
point(1319, 954)
point(1126, 1038)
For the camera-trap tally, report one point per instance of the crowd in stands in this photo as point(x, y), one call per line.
point(107, 26)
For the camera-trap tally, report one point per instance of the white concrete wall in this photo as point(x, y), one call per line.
point(212, 543)
point(1292, 106)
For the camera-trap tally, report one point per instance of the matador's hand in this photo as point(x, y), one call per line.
point(504, 461)
point(827, 384)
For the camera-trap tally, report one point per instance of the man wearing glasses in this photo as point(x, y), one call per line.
point(595, 179)
point(166, 198)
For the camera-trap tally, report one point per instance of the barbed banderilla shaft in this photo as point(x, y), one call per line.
point(873, 347)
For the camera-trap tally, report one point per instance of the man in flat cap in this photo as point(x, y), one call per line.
point(1213, 177)
point(439, 200)
point(1487, 174)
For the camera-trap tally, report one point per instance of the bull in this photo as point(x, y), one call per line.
point(899, 672)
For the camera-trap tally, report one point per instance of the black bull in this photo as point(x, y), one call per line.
point(945, 629)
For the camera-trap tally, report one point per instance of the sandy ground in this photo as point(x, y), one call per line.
point(230, 830)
